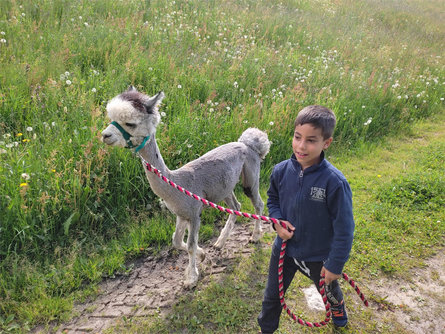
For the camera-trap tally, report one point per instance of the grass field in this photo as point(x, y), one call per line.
point(73, 211)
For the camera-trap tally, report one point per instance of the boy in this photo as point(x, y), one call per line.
point(314, 200)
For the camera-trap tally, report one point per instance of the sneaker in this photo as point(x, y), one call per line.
point(339, 315)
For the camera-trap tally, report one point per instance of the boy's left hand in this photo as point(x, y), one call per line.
point(329, 276)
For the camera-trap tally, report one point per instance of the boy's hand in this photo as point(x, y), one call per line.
point(329, 276)
point(285, 233)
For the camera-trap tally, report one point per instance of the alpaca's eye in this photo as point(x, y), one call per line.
point(130, 125)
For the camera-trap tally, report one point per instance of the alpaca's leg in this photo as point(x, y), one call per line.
point(191, 273)
point(232, 203)
point(251, 185)
point(178, 235)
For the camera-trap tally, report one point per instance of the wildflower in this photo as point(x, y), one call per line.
point(179, 86)
point(3, 151)
point(86, 24)
point(228, 108)
point(271, 123)
point(379, 176)
point(94, 90)
point(67, 74)
point(53, 170)
point(25, 176)
point(53, 123)
point(6, 135)
point(3, 40)
point(29, 129)
point(163, 114)
point(441, 98)
point(2, 33)
point(368, 121)
point(235, 84)
point(24, 184)
point(25, 140)
point(68, 82)
point(19, 134)
point(9, 145)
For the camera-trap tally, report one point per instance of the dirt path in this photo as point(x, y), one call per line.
point(418, 302)
point(153, 286)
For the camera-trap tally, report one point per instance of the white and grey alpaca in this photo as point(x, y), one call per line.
point(212, 176)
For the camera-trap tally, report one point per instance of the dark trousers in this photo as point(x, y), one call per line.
point(269, 317)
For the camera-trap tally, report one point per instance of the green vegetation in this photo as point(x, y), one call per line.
point(73, 211)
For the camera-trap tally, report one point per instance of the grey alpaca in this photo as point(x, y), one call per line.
point(212, 176)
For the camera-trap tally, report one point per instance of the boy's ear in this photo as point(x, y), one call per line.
point(327, 143)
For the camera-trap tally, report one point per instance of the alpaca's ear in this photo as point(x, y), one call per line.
point(131, 88)
point(153, 103)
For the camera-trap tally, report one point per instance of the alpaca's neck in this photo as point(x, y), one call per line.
point(150, 152)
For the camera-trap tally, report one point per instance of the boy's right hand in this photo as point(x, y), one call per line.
point(285, 233)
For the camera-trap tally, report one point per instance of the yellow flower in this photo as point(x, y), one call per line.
point(53, 170)
point(19, 134)
point(379, 175)
point(25, 140)
point(23, 184)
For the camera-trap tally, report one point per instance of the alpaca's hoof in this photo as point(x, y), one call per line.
point(191, 278)
point(255, 238)
point(201, 255)
point(219, 244)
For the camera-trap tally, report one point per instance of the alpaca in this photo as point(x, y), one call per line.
point(213, 176)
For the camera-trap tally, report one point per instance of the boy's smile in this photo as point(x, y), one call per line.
point(308, 143)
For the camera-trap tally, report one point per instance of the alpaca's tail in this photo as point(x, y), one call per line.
point(257, 140)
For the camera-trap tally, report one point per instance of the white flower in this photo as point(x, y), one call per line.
point(228, 108)
point(368, 121)
point(3, 33)
point(53, 123)
point(93, 90)
point(271, 123)
point(25, 176)
point(85, 24)
point(235, 84)
point(441, 98)
point(68, 82)
point(211, 110)
point(3, 151)
point(6, 135)
point(163, 114)
point(9, 145)
point(29, 129)
point(179, 86)
point(363, 107)
point(2, 40)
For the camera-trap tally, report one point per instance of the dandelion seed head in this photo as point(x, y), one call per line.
point(29, 129)
point(68, 82)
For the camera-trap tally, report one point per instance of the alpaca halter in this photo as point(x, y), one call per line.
point(322, 283)
point(128, 137)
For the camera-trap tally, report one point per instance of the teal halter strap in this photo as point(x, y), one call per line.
point(127, 137)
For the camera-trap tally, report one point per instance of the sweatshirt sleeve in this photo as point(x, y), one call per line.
point(340, 207)
point(273, 200)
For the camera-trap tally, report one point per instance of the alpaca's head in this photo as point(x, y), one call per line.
point(136, 113)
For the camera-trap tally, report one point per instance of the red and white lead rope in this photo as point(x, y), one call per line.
point(155, 171)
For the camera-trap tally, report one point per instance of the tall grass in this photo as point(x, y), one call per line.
point(69, 204)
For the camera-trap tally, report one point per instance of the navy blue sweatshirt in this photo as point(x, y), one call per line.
point(318, 203)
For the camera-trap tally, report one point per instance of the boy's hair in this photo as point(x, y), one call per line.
point(319, 117)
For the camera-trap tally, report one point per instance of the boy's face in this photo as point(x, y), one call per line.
point(308, 143)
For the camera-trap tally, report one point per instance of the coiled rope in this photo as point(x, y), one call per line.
point(322, 284)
